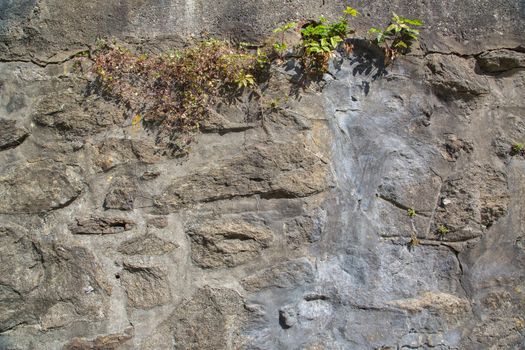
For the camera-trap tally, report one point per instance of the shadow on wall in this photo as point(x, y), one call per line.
point(367, 59)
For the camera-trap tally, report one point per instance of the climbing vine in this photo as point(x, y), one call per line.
point(174, 91)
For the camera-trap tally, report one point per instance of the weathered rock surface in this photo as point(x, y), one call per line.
point(472, 200)
point(11, 135)
point(74, 115)
point(213, 329)
point(227, 243)
point(270, 171)
point(101, 225)
point(285, 227)
point(501, 60)
point(121, 194)
point(146, 286)
point(146, 245)
point(284, 275)
point(105, 342)
point(454, 77)
point(38, 187)
point(44, 282)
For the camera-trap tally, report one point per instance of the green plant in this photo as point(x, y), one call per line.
point(280, 47)
point(349, 11)
point(174, 90)
point(244, 80)
point(398, 37)
point(442, 230)
point(411, 212)
point(262, 59)
point(414, 241)
point(517, 148)
point(321, 39)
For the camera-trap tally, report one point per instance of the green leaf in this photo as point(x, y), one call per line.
point(285, 27)
point(396, 18)
point(313, 49)
point(380, 38)
point(392, 27)
point(401, 44)
point(413, 22)
point(351, 11)
point(335, 40)
point(290, 25)
point(374, 30)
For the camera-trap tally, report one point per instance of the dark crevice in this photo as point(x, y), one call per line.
point(520, 49)
point(435, 242)
point(12, 289)
point(67, 203)
point(14, 143)
point(238, 236)
point(312, 297)
point(276, 194)
point(282, 321)
point(402, 206)
point(228, 130)
point(462, 273)
point(44, 64)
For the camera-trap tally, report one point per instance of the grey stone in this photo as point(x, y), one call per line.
point(38, 276)
point(158, 222)
point(271, 171)
point(121, 194)
point(146, 245)
point(146, 286)
point(190, 328)
point(227, 243)
point(101, 225)
point(73, 115)
point(283, 275)
point(106, 342)
point(11, 135)
point(113, 152)
point(285, 226)
point(287, 317)
point(453, 77)
point(38, 187)
point(501, 60)
point(476, 199)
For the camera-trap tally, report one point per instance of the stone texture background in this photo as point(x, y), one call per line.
point(288, 232)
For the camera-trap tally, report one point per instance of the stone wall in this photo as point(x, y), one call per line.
point(286, 231)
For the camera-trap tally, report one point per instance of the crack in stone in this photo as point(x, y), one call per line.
point(44, 64)
point(402, 206)
point(519, 48)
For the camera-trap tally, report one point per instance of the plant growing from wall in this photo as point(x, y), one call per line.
point(411, 212)
point(174, 90)
point(398, 37)
point(517, 148)
point(280, 47)
point(320, 39)
point(414, 241)
point(442, 230)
